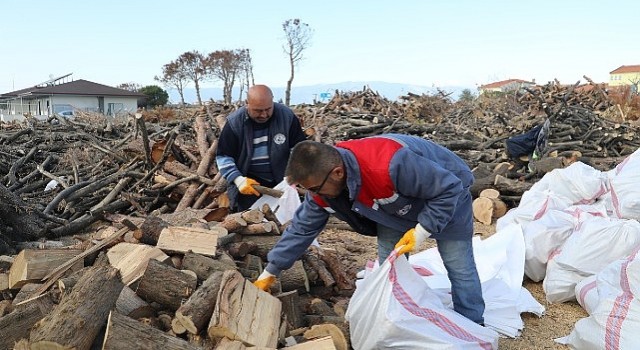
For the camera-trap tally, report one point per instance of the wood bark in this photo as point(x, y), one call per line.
point(166, 285)
point(126, 333)
point(76, 321)
point(17, 324)
point(203, 266)
point(194, 314)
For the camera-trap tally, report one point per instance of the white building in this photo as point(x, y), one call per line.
point(56, 96)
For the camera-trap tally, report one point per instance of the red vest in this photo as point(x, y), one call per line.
point(373, 156)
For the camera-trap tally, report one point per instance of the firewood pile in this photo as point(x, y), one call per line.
point(125, 225)
point(164, 263)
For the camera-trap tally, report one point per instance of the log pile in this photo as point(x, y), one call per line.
point(162, 239)
point(190, 288)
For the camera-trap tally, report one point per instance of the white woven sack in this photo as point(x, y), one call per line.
point(394, 308)
point(615, 322)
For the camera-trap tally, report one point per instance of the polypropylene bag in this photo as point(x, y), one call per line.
point(285, 206)
point(624, 189)
point(614, 323)
point(394, 308)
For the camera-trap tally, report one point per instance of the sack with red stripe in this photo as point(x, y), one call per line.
point(394, 308)
point(614, 323)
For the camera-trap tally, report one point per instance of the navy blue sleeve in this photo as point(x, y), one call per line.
point(227, 154)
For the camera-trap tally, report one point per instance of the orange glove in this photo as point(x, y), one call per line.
point(245, 185)
point(411, 239)
point(265, 281)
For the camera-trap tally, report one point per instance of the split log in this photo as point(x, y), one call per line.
point(130, 304)
point(203, 266)
point(166, 285)
point(33, 265)
point(322, 330)
point(17, 324)
point(244, 312)
point(150, 230)
point(193, 315)
point(132, 259)
point(126, 333)
point(182, 239)
point(76, 321)
point(294, 278)
point(291, 309)
point(324, 343)
point(4, 281)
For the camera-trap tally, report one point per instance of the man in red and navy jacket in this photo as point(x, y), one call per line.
point(399, 188)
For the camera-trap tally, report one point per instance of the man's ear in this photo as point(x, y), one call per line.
point(339, 172)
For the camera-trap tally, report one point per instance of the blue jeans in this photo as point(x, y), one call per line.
point(457, 256)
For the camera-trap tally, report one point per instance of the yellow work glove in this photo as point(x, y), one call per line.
point(265, 280)
point(245, 185)
point(411, 239)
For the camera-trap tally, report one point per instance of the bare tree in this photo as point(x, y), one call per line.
point(298, 36)
point(226, 65)
point(175, 76)
point(246, 77)
point(195, 68)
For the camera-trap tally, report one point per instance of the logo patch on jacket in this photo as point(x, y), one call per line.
point(404, 210)
point(279, 139)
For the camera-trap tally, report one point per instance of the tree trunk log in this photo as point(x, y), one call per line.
point(76, 321)
point(126, 333)
point(194, 314)
point(166, 285)
point(203, 266)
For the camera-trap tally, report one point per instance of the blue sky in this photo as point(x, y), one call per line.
point(418, 42)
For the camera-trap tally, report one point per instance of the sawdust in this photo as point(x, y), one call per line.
point(355, 250)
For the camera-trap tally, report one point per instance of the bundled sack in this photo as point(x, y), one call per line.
point(587, 294)
point(579, 183)
point(624, 189)
point(533, 205)
point(594, 244)
point(615, 322)
point(546, 235)
point(394, 308)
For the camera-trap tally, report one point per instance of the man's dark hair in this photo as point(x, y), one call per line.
point(310, 158)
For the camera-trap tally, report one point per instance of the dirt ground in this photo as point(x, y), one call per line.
point(539, 333)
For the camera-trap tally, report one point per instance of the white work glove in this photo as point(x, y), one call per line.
point(412, 239)
point(245, 185)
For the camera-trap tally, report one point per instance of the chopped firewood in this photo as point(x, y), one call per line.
point(193, 315)
point(262, 228)
point(324, 343)
point(132, 259)
point(239, 250)
point(166, 285)
point(18, 323)
point(32, 265)
point(244, 312)
point(75, 322)
point(130, 304)
point(294, 278)
point(291, 309)
point(339, 339)
point(183, 239)
point(126, 333)
point(203, 266)
point(4, 281)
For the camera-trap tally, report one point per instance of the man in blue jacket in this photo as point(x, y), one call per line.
point(399, 188)
point(254, 146)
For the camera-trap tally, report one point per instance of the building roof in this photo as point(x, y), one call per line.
point(76, 87)
point(626, 69)
point(498, 84)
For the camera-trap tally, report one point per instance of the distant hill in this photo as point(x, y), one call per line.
point(324, 92)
